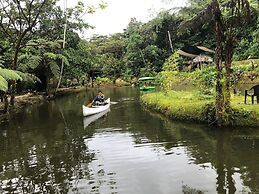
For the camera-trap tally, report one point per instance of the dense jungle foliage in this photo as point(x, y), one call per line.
point(31, 51)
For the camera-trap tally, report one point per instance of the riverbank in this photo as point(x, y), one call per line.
point(27, 99)
point(192, 106)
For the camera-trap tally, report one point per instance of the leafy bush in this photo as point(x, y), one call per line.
point(205, 79)
point(102, 81)
point(173, 63)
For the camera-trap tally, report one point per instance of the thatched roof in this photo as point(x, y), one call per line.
point(194, 51)
point(180, 52)
point(205, 49)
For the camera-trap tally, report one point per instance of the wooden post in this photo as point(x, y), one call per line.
point(142, 55)
point(170, 41)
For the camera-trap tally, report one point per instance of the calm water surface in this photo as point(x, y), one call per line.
point(51, 148)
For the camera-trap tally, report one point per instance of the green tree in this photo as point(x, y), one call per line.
point(134, 57)
point(42, 56)
point(228, 24)
point(17, 20)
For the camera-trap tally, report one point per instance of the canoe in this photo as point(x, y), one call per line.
point(147, 83)
point(92, 118)
point(147, 88)
point(96, 109)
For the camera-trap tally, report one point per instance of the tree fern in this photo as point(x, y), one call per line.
point(54, 68)
point(28, 77)
point(44, 55)
point(62, 57)
point(1, 62)
point(34, 62)
point(29, 62)
point(3, 84)
point(9, 75)
point(50, 55)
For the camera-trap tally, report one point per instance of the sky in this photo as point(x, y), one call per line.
point(116, 16)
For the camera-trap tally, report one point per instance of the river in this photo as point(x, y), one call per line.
point(51, 148)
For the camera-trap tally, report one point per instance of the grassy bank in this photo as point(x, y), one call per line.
point(192, 106)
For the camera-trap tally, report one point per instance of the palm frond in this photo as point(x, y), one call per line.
point(3, 84)
point(27, 62)
point(23, 57)
point(205, 16)
point(54, 68)
point(1, 62)
point(23, 67)
point(34, 61)
point(50, 55)
point(62, 57)
point(254, 3)
point(28, 77)
point(8, 74)
point(32, 43)
point(54, 44)
point(234, 11)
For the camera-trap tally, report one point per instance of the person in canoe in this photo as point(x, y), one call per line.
point(99, 99)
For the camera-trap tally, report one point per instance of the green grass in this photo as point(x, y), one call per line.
point(178, 105)
point(247, 114)
point(245, 62)
point(193, 106)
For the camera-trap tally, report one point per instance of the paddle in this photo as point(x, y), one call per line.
point(90, 104)
point(113, 102)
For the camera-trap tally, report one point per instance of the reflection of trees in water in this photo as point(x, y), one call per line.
point(42, 160)
point(44, 149)
point(54, 156)
point(46, 168)
point(224, 149)
point(226, 156)
point(129, 118)
point(224, 164)
point(220, 148)
point(246, 149)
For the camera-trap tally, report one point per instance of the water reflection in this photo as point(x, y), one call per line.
point(89, 119)
point(47, 149)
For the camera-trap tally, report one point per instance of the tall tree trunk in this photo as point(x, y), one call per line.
point(14, 67)
point(2, 96)
point(63, 46)
point(219, 104)
point(6, 103)
point(15, 60)
point(228, 61)
point(12, 91)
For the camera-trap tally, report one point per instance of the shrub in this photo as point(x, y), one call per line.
point(102, 80)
